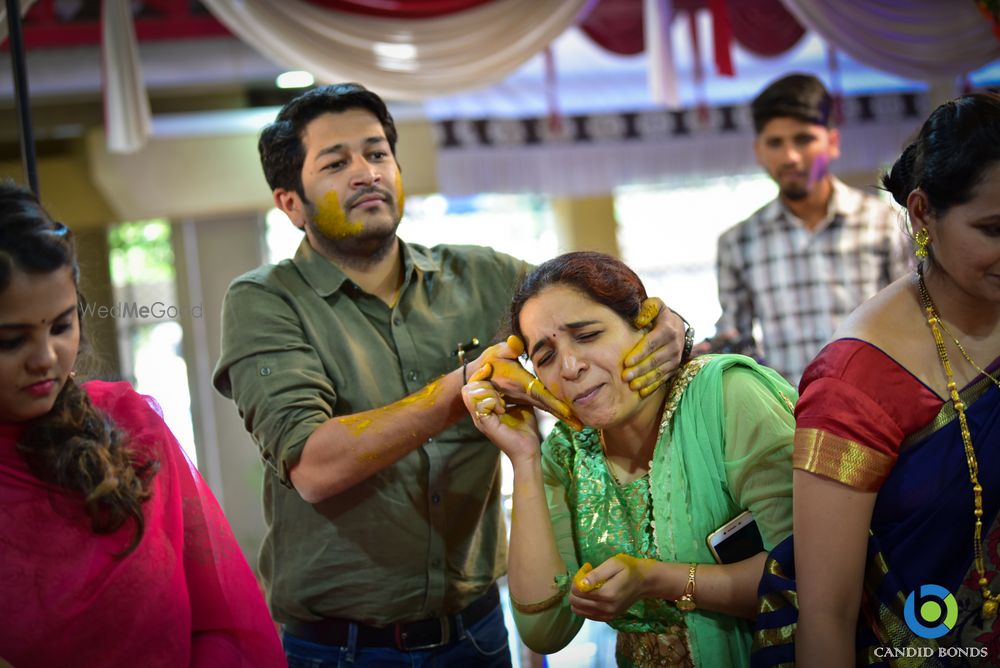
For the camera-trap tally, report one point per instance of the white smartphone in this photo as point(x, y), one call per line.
point(736, 540)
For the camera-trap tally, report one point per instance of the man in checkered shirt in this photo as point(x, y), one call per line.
point(805, 260)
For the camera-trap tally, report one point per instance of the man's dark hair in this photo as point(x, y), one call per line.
point(280, 145)
point(800, 96)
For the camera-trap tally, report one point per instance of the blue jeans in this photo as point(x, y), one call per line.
point(483, 645)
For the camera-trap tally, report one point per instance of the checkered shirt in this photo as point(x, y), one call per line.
point(798, 285)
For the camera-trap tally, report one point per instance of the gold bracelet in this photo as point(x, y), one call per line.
point(686, 602)
point(550, 602)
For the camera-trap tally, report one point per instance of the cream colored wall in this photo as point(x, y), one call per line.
point(67, 189)
point(180, 177)
point(586, 223)
point(185, 177)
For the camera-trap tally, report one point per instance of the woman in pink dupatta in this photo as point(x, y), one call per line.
point(114, 551)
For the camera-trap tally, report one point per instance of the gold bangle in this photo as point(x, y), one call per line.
point(550, 602)
point(686, 602)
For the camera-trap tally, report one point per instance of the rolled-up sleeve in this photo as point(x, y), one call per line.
point(272, 373)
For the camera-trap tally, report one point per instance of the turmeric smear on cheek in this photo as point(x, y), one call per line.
point(400, 196)
point(621, 365)
point(331, 219)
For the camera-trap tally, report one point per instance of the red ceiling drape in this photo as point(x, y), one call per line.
point(763, 27)
point(616, 26)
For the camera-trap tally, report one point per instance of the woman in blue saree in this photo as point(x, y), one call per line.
point(895, 554)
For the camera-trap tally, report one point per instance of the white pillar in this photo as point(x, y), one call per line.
point(209, 254)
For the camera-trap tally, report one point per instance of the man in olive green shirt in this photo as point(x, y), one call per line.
point(382, 500)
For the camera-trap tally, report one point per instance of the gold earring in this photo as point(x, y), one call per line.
point(922, 239)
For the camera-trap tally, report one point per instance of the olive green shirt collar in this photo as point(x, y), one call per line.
point(325, 277)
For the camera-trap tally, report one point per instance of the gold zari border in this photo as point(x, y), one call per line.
point(947, 413)
point(561, 581)
point(840, 459)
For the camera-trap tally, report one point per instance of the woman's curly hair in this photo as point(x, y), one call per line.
point(74, 445)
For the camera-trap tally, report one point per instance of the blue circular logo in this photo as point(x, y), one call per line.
point(930, 611)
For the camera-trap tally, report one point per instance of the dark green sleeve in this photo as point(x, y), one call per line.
point(274, 375)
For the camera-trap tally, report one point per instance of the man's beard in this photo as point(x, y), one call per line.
point(795, 193)
point(358, 251)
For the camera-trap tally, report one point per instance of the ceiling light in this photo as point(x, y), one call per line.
point(395, 51)
point(294, 79)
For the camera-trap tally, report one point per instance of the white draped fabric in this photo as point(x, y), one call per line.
point(657, 15)
point(407, 59)
point(919, 39)
point(127, 117)
point(126, 106)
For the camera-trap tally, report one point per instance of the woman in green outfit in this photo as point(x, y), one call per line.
point(638, 489)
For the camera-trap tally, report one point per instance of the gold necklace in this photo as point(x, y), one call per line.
point(609, 464)
point(607, 460)
point(990, 601)
point(961, 349)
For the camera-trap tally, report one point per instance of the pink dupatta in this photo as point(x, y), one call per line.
point(184, 597)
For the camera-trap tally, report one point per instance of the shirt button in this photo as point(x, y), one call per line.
point(412, 375)
point(436, 563)
point(435, 498)
point(397, 321)
point(265, 371)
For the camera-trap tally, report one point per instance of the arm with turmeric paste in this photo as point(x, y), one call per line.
point(347, 449)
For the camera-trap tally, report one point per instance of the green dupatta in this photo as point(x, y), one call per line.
point(690, 489)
